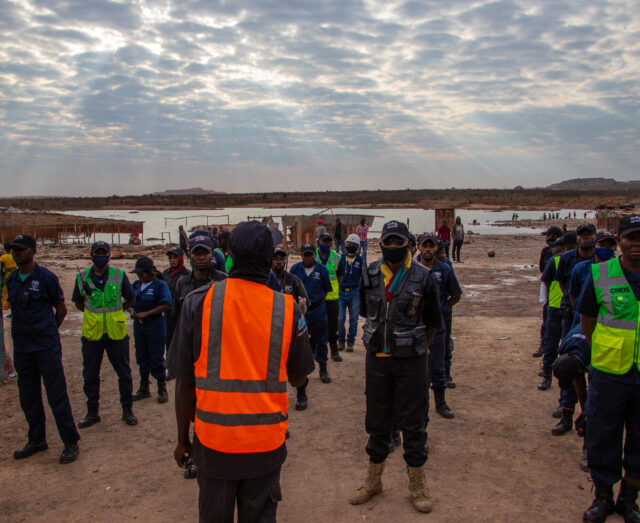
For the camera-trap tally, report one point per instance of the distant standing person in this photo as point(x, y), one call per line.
point(37, 311)
point(444, 235)
point(362, 230)
point(339, 234)
point(184, 240)
point(7, 266)
point(320, 230)
point(458, 239)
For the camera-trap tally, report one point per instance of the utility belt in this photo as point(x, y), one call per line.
point(349, 289)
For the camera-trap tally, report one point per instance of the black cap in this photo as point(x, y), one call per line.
point(567, 238)
point(143, 264)
point(224, 235)
point(100, 245)
point(251, 241)
point(428, 236)
point(325, 236)
point(279, 251)
point(605, 235)
point(307, 247)
point(586, 227)
point(24, 241)
point(629, 223)
point(552, 231)
point(201, 241)
point(199, 232)
point(394, 228)
point(175, 250)
point(412, 239)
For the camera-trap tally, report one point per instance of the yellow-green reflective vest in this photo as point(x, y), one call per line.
point(103, 313)
point(332, 266)
point(614, 344)
point(555, 292)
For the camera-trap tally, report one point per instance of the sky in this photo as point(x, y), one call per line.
point(100, 97)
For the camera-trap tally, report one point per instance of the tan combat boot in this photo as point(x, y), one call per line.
point(372, 485)
point(418, 490)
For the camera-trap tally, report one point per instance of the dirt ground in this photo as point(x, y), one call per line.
point(496, 461)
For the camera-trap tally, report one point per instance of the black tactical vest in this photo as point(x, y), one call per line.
point(396, 325)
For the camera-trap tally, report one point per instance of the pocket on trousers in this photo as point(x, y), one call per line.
point(370, 338)
point(404, 342)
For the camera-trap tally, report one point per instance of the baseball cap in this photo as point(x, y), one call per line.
point(319, 222)
point(24, 241)
point(629, 223)
point(251, 241)
point(567, 238)
point(586, 227)
point(353, 238)
point(279, 251)
point(100, 245)
point(307, 247)
point(552, 231)
point(428, 236)
point(606, 235)
point(200, 241)
point(325, 236)
point(176, 250)
point(143, 264)
point(394, 228)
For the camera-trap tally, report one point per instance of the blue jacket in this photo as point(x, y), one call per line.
point(154, 294)
point(352, 272)
point(575, 343)
point(317, 284)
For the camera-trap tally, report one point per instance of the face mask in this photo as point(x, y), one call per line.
point(604, 254)
point(100, 261)
point(324, 248)
point(352, 249)
point(394, 255)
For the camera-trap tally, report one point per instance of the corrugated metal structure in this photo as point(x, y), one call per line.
point(300, 229)
point(64, 228)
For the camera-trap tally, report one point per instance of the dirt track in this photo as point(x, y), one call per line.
point(496, 461)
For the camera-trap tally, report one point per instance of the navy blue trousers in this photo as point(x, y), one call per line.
point(45, 366)
point(612, 407)
point(150, 339)
point(552, 336)
point(437, 350)
point(318, 326)
point(118, 354)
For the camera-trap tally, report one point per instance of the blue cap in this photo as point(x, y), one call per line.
point(100, 245)
point(176, 250)
point(143, 264)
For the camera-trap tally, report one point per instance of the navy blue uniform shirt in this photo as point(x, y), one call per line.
point(589, 306)
point(567, 262)
point(33, 320)
point(549, 273)
point(576, 344)
point(317, 284)
point(351, 272)
point(100, 281)
point(154, 294)
point(447, 284)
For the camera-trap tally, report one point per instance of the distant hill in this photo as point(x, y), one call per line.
point(594, 184)
point(179, 192)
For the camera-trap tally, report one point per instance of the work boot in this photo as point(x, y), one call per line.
point(30, 449)
point(584, 461)
point(372, 485)
point(70, 453)
point(143, 391)
point(541, 373)
point(324, 375)
point(128, 417)
point(395, 441)
point(301, 398)
point(538, 353)
point(163, 397)
point(341, 345)
point(335, 355)
point(90, 419)
point(602, 505)
point(626, 504)
point(349, 347)
point(450, 384)
point(565, 424)
point(546, 380)
point(418, 489)
point(557, 412)
point(441, 405)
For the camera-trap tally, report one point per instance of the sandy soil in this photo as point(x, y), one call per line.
point(496, 461)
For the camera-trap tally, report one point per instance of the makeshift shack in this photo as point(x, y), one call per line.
point(448, 214)
point(300, 229)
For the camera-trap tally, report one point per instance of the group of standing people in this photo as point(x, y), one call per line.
point(589, 342)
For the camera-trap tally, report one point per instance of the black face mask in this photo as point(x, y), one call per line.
point(352, 249)
point(394, 255)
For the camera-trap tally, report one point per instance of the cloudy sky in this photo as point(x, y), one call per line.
point(104, 97)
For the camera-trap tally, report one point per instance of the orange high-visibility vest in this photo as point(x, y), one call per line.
point(241, 388)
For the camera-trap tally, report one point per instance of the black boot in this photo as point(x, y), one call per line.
point(546, 380)
point(324, 375)
point(90, 419)
point(538, 353)
point(163, 397)
point(441, 405)
point(301, 398)
point(143, 391)
point(450, 384)
point(335, 355)
point(128, 417)
point(602, 505)
point(626, 505)
point(565, 424)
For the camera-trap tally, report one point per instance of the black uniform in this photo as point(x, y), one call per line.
point(171, 281)
point(396, 363)
point(291, 284)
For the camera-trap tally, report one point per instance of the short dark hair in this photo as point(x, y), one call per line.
point(7, 246)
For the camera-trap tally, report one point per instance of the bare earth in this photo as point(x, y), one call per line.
point(496, 461)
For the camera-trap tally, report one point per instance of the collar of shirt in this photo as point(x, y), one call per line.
point(388, 273)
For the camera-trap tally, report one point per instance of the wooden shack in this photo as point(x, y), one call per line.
point(448, 214)
point(609, 219)
point(300, 229)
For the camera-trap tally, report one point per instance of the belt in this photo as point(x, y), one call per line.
point(348, 289)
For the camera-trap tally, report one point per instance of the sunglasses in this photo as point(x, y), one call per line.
point(394, 240)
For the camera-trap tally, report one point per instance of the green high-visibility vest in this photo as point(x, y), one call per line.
point(332, 266)
point(614, 344)
point(555, 292)
point(228, 260)
point(103, 313)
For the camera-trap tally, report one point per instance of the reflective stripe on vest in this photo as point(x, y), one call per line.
point(614, 344)
point(555, 292)
point(241, 390)
point(332, 266)
point(103, 313)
